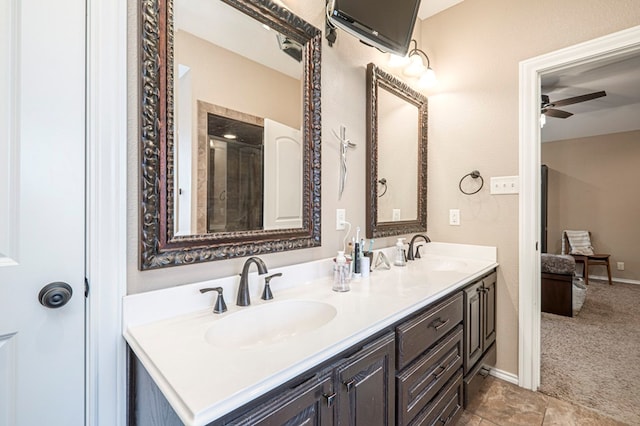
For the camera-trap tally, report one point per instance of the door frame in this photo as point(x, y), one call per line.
point(106, 207)
point(530, 72)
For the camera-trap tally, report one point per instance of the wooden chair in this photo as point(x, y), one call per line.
point(589, 260)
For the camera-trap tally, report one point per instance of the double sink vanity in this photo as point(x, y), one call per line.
point(407, 345)
point(395, 349)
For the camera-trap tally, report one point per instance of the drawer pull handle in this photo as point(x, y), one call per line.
point(484, 372)
point(438, 323)
point(447, 420)
point(440, 373)
point(350, 384)
point(330, 399)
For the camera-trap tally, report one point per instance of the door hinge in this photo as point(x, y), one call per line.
point(536, 246)
point(86, 287)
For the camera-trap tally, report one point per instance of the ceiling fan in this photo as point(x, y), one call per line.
point(547, 107)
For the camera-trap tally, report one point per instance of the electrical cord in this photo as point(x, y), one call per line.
point(474, 175)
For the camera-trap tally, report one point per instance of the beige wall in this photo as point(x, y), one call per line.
point(475, 48)
point(593, 185)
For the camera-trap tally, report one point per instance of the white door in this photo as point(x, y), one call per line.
point(282, 176)
point(42, 149)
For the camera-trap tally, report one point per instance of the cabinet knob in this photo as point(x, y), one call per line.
point(330, 399)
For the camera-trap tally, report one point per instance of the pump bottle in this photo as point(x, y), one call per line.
point(400, 258)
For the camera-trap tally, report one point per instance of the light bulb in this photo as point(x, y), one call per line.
point(415, 67)
point(427, 79)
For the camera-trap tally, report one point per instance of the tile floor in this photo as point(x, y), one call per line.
point(501, 404)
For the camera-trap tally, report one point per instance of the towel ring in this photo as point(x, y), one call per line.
point(383, 182)
point(475, 175)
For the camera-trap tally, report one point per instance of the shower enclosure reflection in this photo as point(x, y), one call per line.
point(235, 190)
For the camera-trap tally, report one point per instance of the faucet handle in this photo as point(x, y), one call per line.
point(266, 293)
point(219, 306)
point(417, 255)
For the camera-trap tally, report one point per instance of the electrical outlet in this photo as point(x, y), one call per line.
point(341, 216)
point(620, 266)
point(395, 215)
point(454, 217)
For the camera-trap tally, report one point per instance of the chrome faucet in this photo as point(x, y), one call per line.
point(243, 289)
point(411, 255)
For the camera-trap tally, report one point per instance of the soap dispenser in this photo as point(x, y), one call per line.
point(341, 273)
point(400, 258)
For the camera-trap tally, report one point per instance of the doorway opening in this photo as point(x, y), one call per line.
point(618, 44)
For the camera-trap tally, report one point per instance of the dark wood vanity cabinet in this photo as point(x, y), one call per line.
point(365, 388)
point(310, 403)
point(422, 371)
point(430, 354)
point(479, 332)
point(353, 391)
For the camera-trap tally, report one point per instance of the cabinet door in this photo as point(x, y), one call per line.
point(489, 314)
point(311, 403)
point(364, 384)
point(473, 331)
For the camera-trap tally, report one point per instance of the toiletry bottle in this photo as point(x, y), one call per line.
point(349, 255)
point(365, 266)
point(400, 259)
point(341, 273)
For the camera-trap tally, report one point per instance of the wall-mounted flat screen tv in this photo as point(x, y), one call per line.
point(384, 24)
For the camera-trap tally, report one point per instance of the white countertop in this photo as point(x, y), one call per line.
point(202, 382)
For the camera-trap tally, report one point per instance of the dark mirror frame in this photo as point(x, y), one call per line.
point(376, 79)
point(159, 247)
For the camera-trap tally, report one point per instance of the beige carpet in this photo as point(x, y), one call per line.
point(593, 359)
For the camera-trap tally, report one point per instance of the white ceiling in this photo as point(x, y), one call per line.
point(225, 26)
point(619, 111)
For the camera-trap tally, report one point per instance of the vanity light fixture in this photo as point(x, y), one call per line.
point(413, 66)
point(229, 136)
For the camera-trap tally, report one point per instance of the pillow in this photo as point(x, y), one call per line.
point(580, 242)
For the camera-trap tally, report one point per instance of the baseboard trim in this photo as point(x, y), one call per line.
point(503, 375)
point(614, 279)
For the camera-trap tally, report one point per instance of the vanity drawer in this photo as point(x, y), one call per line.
point(446, 407)
point(476, 377)
point(420, 333)
point(422, 380)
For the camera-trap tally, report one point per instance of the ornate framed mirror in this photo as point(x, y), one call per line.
point(396, 155)
point(229, 131)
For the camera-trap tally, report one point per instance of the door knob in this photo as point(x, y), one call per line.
point(55, 295)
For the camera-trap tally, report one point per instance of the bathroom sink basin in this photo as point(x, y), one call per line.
point(268, 323)
point(446, 265)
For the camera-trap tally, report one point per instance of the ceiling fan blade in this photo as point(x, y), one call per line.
point(556, 113)
point(581, 98)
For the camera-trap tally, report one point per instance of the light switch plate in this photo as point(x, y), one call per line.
point(505, 185)
point(395, 215)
